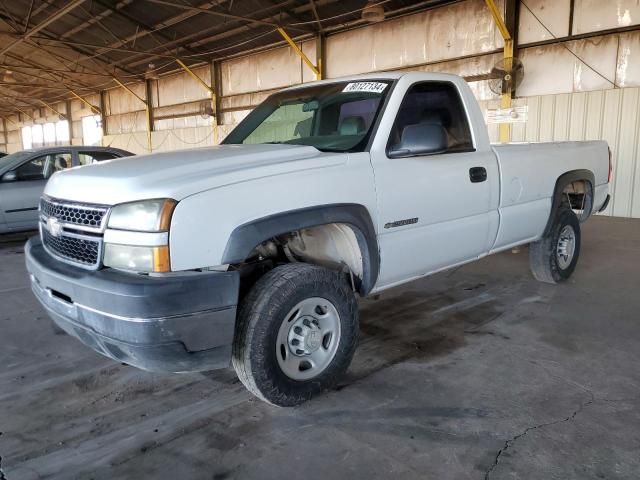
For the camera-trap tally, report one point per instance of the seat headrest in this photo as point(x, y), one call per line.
point(353, 125)
point(61, 162)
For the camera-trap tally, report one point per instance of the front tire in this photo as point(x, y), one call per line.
point(296, 334)
point(553, 258)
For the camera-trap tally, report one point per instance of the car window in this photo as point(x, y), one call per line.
point(439, 103)
point(286, 122)
point(87, 158)
point(42, 167)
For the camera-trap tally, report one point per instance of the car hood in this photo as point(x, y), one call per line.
point(179, 174)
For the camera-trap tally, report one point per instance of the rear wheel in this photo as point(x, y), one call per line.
point(296, 334)
point(553, 258)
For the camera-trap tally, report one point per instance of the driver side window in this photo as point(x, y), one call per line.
point(41, 168)
point(437, 104)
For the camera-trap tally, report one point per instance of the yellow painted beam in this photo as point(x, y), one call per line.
point(93, 108)
point(115, 79)
point(194, 75)
point(505, 99)
point(497, 17)
point(25, 113)
point(300, 53)
point(10, 121)
point(50, 107)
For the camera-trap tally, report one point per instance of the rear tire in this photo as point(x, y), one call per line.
point(296, 333)
point(553, 258)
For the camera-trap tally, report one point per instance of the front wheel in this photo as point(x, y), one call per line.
point(553, 258)
point(296, 333)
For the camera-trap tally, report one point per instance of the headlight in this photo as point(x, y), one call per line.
point(136, 258)
point(136, 238)
point(145, 216)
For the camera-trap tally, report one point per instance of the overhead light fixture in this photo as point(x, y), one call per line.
point(373, 12)
point(150, 73)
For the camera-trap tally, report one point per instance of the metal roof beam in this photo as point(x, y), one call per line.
point(159, 26)
point(71, 43)
point(133, 61)
point(42, 25)
point(219, 14)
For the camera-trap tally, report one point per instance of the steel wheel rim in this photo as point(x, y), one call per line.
point(308, 338)
point(566, 246)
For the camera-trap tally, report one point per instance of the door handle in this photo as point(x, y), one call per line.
point(477, 174)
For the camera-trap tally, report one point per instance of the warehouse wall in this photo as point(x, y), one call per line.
point(561, 91)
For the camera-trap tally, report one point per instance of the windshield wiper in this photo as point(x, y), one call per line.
point(329, 149)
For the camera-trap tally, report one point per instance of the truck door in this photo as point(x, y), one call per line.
point(436, 208)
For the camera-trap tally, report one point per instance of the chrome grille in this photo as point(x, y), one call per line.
point(82, 215)
point(73, 232)
point(79, 250)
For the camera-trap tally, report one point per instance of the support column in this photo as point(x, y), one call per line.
point(147, 108)
point(69, 118)
point(321, 45)
point(217, 86)
point(5, 134)
point(103, 112)
point(148, 85)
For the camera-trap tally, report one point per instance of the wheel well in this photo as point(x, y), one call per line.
point(328, 229)
point(334, 245)
point(573, 189)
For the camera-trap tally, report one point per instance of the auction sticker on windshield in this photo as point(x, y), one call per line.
point(373, 87)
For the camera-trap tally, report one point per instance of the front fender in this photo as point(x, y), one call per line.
point(246, 237)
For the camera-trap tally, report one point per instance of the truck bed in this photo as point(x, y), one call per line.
point(528, 174)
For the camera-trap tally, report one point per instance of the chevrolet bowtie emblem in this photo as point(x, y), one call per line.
point(54, 226)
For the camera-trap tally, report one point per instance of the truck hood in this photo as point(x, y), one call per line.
point(179, 174)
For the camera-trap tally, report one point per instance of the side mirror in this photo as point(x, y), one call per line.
point(420, 139)
point(10, 177)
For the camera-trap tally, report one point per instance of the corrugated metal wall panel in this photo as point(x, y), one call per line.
point(610, 131)
point(627, 152)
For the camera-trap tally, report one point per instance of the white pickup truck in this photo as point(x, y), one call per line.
point(253, 252)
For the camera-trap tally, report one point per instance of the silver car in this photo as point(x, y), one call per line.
point(23, 176)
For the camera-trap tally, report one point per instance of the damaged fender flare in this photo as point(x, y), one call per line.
point(245, 238)
point(564, 180)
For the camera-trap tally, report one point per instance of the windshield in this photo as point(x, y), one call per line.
point(331, 117)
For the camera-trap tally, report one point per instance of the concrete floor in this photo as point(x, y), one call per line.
point(479, 372)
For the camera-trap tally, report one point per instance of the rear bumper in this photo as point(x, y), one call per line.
point(172, 323)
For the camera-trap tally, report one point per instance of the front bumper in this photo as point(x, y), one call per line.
point(173, 323)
